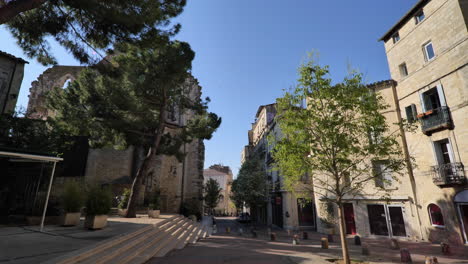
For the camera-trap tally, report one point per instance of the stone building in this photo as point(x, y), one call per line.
point(178, 181)
point(11, 76)
point(223, 175)
point(283, 208)
point(427, 52)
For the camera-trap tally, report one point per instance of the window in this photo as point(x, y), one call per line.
point(396, 37)
point(403, 70)
point(431, 99)
point(443, 152)
point(411, 113)
point(429, 53)
point(419, 17)
point(435, 215)
point(383, 174)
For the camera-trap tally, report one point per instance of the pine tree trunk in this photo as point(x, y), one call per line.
point(344, 243)
point(145, 166)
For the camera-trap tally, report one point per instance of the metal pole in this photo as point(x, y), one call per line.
point(47, 197)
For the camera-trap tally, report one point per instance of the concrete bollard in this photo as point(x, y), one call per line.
point(324, 243)
point(357, 240)
point(295, 240)
point(394, 244)
point(405, 256)
point(330, 238)
point(431, 260)
point(445, 248)
point(305, 235)
point(273, 236)
point(228, 230)
point(365, 250)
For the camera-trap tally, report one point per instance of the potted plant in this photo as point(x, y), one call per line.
point(72, 202)
point(98, 205)
point(122, 207)
point(155, 205)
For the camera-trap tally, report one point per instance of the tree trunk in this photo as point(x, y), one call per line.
point(344, 243)
point(145, 166)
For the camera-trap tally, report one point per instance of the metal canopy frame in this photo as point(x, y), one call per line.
point(41, 158)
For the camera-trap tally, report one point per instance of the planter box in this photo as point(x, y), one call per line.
point(153, 213)
point(95, 221)
point(122, 212)
point(70, 219)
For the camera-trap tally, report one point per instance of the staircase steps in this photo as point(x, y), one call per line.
point(138, 247)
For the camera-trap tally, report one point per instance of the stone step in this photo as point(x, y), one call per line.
point(183, 240)
point(120, 249)
point(145, 250)
point(195, 234)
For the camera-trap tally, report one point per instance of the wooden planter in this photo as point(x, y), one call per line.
point(70, 219)
point(153, 213)
point(95, 221)
point(122, 212)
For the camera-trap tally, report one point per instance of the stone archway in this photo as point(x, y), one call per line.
point(461, 203)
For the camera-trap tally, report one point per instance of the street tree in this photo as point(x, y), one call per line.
point(212, 194)
point(87, 28)
point(336, 140)
point(127, 104)
point(250, 187)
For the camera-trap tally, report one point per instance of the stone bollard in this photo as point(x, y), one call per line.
point(324, 243)
point(394, 244)
point(295, 240)
point(357, 240)
point(305, 235)
point(445, 248)
point(365, 250)
point(405, 256)
point(273, 236)
point(431, 260)
point(228, 230)
point(330, 238)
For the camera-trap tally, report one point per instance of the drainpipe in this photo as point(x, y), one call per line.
point(409, 167)
point(9, 87)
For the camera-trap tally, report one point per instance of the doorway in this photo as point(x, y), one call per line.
point(306, 213)
point(461, 202)
point(349, 218)
point(386, 220)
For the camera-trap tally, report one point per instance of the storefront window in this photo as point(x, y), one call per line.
point(435, 214)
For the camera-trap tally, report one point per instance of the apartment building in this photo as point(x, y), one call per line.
point(427, 53)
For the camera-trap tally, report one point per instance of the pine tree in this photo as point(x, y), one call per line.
point(212, 194)
point(127, 103)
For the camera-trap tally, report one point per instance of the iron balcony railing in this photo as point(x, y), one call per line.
point(436, 119)
point(449, 174)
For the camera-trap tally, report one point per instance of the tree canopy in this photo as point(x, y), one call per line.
point(212, 193)
point(88, 28)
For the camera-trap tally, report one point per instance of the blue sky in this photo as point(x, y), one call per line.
point(247, 51)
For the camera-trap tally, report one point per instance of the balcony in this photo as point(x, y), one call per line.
point(435, 120)
point(448, 174)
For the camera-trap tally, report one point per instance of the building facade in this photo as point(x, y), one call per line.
point(223, 175)
point(179, 181)
point(11, 76)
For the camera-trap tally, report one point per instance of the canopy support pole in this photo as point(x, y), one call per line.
point(47, 197)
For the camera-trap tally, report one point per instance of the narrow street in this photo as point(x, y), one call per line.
point(232, 248)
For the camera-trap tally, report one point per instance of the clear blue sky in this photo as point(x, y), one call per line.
point(247, 51)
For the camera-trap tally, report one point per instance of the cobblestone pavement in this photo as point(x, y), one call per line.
point(236, 249)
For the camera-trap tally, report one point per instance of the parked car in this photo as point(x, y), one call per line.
point(244, 218)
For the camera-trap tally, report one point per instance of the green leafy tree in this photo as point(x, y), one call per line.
point(87, 28)
point(212, 194)
point(129, 102)
point(250, 187)
point(335, 139)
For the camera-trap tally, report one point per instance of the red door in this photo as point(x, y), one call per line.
point(349, 218)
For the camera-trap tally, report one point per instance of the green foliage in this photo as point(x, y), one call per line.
point(87, 28)
point(336, 137)
point(250, 185)
point(155, 201)
point(212, 193)
point(124, 202)
point(191, 207)
point(73, 197)
point(98, 201)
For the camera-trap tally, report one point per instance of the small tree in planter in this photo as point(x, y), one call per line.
point(98, 204)
point(124, 202)
point(155, 205)
point(72, 202)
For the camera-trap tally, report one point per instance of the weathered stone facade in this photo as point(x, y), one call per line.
point(178, 181)
point(11, 76)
